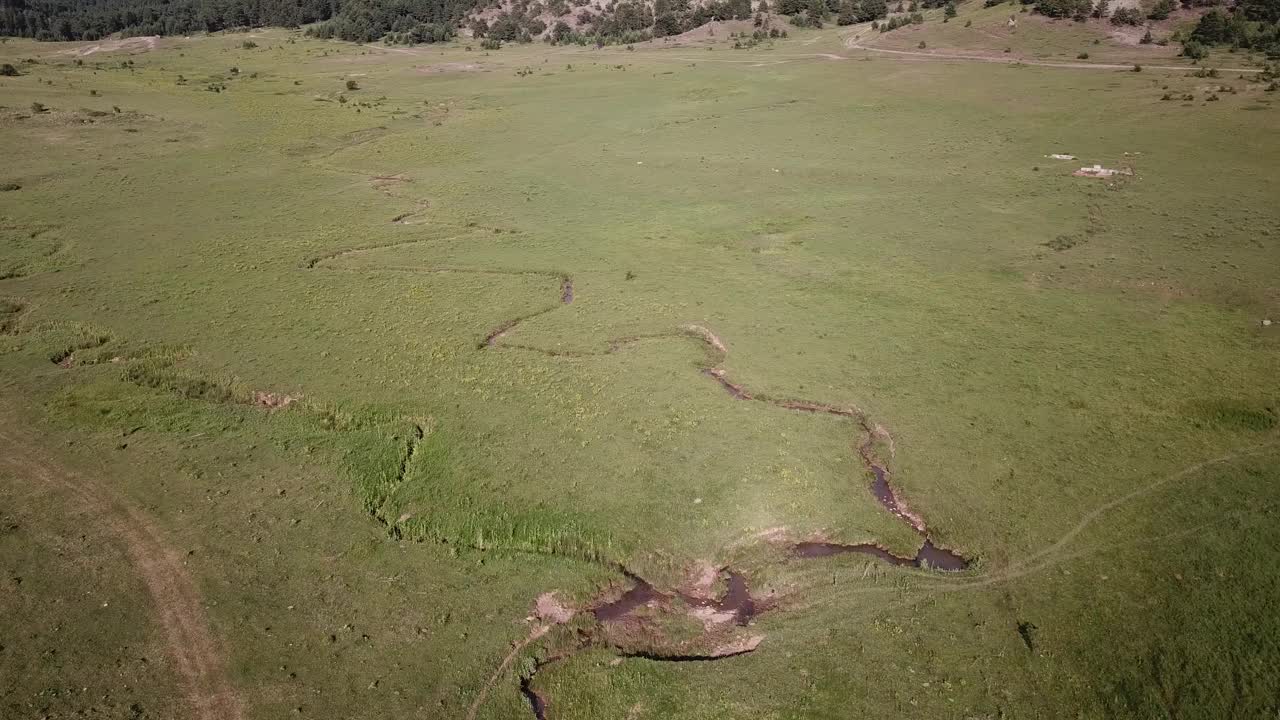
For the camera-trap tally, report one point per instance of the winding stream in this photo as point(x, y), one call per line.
point(736, 603)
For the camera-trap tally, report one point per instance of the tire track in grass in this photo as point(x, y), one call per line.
point(189, 642)
point(537, 632)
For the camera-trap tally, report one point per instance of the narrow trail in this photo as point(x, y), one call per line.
point(1052, 553)
point(537, 632)
point(851, 43)
point(197, 656)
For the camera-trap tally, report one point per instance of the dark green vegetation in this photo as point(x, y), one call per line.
point(1248, 26)
point(94, 19)
point(266, 341)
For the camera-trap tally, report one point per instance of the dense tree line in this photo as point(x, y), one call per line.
point(408, 21)
point(1252, 24)
point(94, 19)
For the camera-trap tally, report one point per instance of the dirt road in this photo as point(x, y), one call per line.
point(189, 642)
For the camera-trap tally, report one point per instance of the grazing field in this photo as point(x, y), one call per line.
point(345, 381)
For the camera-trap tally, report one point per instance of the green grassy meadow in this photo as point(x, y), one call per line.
point(1076, 374)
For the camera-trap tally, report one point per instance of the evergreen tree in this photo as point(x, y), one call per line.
point(1161, 10)
point(872, 10)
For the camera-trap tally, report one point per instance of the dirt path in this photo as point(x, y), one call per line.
point(189, 642)
point(1050, 554)
point(852, 43)
point(537, 632)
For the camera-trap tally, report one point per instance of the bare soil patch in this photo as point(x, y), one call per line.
point(142, 43)
point(450, 67)
point(271, 400)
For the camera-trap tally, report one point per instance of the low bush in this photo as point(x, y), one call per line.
point(1194, 50)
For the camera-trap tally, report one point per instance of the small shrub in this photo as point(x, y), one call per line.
point(353, 85)
point(1064, 242)
point(1083, 56)
point(248, 44)
point(1147, 39)
point(490, 44)
point(8, 70)
point(1194, 50)
point(38, 107)
point(1167, 96)
point(1137, 67)
point(922, 45)
point(968, 23)
point(9, 187)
